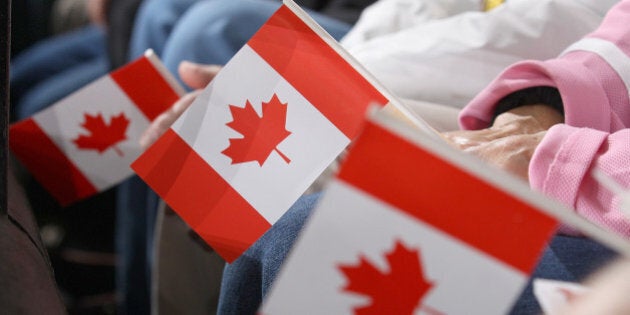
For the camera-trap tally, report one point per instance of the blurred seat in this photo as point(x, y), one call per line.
point(28, 285)
point(186, 272)
point(79, 243)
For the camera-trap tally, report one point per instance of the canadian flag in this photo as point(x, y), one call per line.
point(271, 121)
point(85, 143)
point(409, 227)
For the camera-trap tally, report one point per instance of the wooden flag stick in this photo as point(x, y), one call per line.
point(395, 105)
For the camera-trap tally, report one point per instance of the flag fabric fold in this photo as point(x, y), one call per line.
point(84, 143)
point(277, 114)
point(405, 227)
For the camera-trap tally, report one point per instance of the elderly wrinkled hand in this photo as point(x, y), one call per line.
point(511, 141)
point(196, 76)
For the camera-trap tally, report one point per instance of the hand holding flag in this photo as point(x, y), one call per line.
point(260, 133)
point(197, 77)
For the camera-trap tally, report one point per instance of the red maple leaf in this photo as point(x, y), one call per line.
point(397, 291)
point(261, 135)
point(103, 136)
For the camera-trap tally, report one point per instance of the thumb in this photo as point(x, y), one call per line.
point(197, 76)
point(164, 121)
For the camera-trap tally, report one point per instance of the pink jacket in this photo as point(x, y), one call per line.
point(593, 77)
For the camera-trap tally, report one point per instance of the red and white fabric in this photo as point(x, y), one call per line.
point(230, 196)
point(110, 113)
point(476, 239)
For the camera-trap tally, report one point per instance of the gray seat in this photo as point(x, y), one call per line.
point(186, 275)
point(28, 285)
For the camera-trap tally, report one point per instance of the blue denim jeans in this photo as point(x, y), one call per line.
point(56, 67)
point(206, 31)
point(247, 280)
point(154, 23)
point(222, 28)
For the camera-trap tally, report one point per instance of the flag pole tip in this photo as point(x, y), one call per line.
point(149, 53)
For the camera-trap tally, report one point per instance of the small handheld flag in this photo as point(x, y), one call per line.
point(84, 143)
point(277, 114)
point(410, 225)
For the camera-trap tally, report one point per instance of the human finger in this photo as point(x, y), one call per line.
point(164, 121)
point(197, 76)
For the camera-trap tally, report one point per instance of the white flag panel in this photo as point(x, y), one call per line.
point(348, 223)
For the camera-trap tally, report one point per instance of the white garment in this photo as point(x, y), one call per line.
point(446, 51)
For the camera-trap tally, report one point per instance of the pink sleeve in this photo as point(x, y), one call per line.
point(593, 79)
point(561, 168)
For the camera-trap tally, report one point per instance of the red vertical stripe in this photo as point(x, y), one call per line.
point(438, 193)
point(146, 87)
point(319, 73)
point(200, 196)
point(48, 164)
